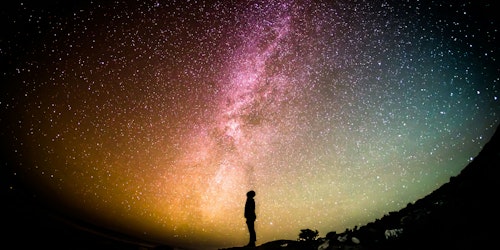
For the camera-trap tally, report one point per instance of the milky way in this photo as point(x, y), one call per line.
point(155, 118)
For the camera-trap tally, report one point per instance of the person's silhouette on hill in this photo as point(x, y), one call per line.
point(250, 216)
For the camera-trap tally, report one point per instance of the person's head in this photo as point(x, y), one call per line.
point(250, 194)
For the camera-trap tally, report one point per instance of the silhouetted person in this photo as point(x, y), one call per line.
point(250, 216)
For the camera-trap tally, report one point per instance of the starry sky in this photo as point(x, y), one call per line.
point(154, 118)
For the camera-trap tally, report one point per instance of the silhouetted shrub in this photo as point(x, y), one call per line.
point(308, 235)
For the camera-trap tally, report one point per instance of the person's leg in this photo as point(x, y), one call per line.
point(251, 230)
point(253, 236)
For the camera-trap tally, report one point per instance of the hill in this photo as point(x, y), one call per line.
point(461, 214)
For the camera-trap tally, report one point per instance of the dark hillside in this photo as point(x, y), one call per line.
point(461, 214)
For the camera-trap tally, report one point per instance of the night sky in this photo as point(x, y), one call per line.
point(154, 118)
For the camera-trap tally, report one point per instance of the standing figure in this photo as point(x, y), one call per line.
point(250, 216)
